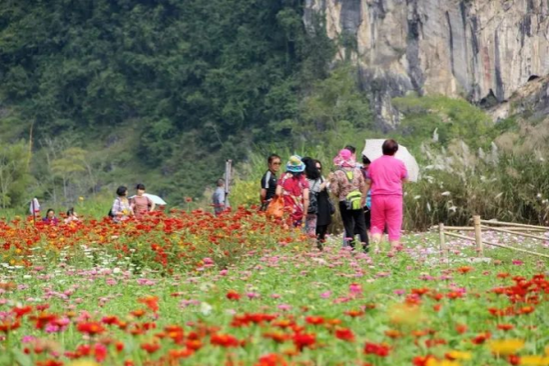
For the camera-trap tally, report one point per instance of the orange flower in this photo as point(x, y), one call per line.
point(314, 320)
point(151, 302)
point(6, 326)
point(505, 327)
point(461, 328)
point(464, 269)
point(392, 333)
point(354, 313)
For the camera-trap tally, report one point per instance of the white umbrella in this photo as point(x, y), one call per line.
point(157, 200)
point(373, 150)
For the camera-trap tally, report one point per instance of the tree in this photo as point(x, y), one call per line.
point(14, 174)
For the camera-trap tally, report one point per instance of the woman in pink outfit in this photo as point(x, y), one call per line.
point(385, 177)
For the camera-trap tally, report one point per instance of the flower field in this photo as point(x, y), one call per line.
point(189, 288)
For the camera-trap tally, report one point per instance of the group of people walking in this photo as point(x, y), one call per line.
point(368, 194)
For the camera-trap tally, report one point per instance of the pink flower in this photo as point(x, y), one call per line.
point(399, 292)
point(517, 262)
point(355, 289)
point(28, 339)
point(326, 294)
point(253, 295)
point(284, 307)
point(208, 260)
point(223, 272)
point(275, 296)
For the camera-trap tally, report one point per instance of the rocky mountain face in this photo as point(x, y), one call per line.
point(483, 50)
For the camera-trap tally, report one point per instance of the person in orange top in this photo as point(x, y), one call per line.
point(141, 204)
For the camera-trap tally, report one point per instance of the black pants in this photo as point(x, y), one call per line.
point(353, 220)
point(321, 231)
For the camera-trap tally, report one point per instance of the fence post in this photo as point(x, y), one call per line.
point(442, 238)
point(478, 235)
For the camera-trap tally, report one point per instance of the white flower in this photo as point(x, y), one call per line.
point(452, 208)
point(205, 308)
point(428, 207)
point(499, 195)
point(116, 270)
point(538, 195)
point(445, 193)
point(417, 197)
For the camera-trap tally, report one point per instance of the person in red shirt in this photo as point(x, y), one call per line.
point(294, 188)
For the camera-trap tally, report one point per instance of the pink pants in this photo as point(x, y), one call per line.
point(387, 210)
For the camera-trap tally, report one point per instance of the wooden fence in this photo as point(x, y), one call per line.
point(479, 225)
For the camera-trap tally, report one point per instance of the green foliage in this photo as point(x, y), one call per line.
point(194, 81)
point(451, 118)
point(14, 173)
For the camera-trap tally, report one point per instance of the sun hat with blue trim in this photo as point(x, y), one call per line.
point(295, 165)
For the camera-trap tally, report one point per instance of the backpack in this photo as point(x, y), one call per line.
point(313, 200)
point(354, 198)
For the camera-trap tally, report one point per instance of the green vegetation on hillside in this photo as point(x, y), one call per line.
point(155, 91)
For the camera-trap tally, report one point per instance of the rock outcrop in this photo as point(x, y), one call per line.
point(481, 50)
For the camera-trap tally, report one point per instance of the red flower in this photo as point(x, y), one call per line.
point(461, 328)
point(272, 359)
point(421, 360)
point(20, 312)
point(150, 347)
point(481, 338)
point(345, 334)
point(91, 328)
point(224, 340)
point(233, 295)
point(381, 350)
point(110, 320)
point(302, 340)
point(514, 360)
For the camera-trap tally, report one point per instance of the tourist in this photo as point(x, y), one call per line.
point(71, 216)
point(315, 186)
point(385, 177)
point(325, 209)
point(140, 203)
point(269, 181)
point(368, 206)
point(349, 185)
point(219, 198)
point(121, 208)
point(34, 208)
point(50, 218)
point(294, 189)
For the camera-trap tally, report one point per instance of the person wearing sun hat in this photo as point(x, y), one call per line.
point(293, 187)
point(349, 185)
